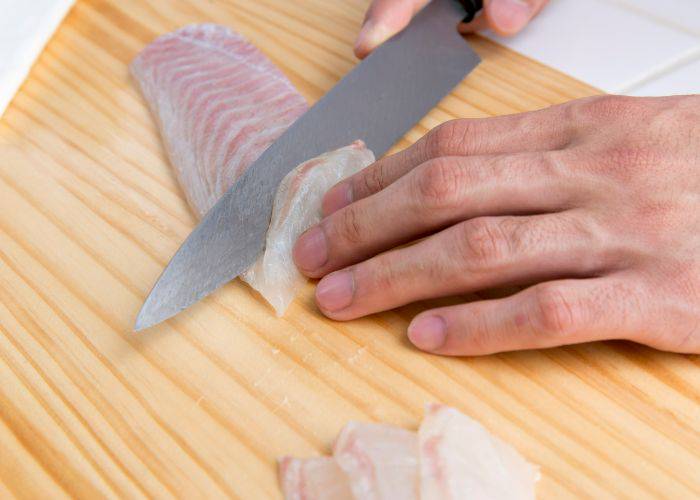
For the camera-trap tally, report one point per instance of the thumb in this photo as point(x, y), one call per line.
point(384, 19)
point(505, 17)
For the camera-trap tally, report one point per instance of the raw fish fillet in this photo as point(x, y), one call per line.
point(219, 103)
point(297, 207)
point(317, 478)
point(380, 461)
point(459, 459)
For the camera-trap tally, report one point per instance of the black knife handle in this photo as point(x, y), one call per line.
point(472, 7)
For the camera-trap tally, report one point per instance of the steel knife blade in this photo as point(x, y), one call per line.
point(378, 101)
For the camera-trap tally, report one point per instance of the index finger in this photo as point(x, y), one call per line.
point(542, 130)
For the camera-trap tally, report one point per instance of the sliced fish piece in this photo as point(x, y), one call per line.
point(219, 103)
point(297, 207)
point(380, 461)
point(317, 478)
point(460, 459)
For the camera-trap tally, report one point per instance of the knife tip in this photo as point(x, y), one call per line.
point(141, 323)
point(154, 311)
point(146, 317)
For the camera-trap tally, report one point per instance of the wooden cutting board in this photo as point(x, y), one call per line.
point(201, 406)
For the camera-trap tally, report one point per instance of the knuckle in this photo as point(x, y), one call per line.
point(482, 244)
point(553, 164)
point(520, 233)
point(548, 165)
point(348, 225)
point(602, 108)
point(388, 277)
point(373, 179)
point(445, 139)
point(481, 338)
point(554, 312)
point(438, 183)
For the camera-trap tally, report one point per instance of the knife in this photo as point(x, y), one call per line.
point(378, 101)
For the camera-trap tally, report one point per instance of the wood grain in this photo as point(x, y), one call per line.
point(202, 405)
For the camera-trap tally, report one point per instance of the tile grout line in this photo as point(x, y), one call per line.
point(662, 70)
point(630, 6)
point(665, 69)
point(676, 47)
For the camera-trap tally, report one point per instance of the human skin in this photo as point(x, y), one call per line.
point(594, 204)
point(386, 17)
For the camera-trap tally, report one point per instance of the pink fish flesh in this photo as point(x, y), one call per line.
point(317, 478)
point(219, 103)
point(460, 459)
point(452, 457)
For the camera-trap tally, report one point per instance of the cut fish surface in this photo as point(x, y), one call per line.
point(297, 207)
point(219, 103)
point(452, 457)
point(460, 460)
point(380, 461)
point(317, 478)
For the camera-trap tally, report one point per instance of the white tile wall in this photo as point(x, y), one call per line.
point(683, 14)
point(682, 80)
point(619, 46)
point(25, 27)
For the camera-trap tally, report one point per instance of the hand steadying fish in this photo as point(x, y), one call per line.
point(596, 202)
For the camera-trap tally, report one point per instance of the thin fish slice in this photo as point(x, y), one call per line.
point(460, 459)
point(380, 461)
point(297, 207)
point(317, 478)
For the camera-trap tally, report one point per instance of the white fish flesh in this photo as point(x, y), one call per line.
point(297, 207)
point(380, 461)
point(460, 459)
point(317, 478)
point(219, 103)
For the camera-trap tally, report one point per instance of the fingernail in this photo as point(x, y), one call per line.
point(337, 197)
point(311, 251)
point(427, 333)
point(335, 291)
point(371, 36)
point(509, 16)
